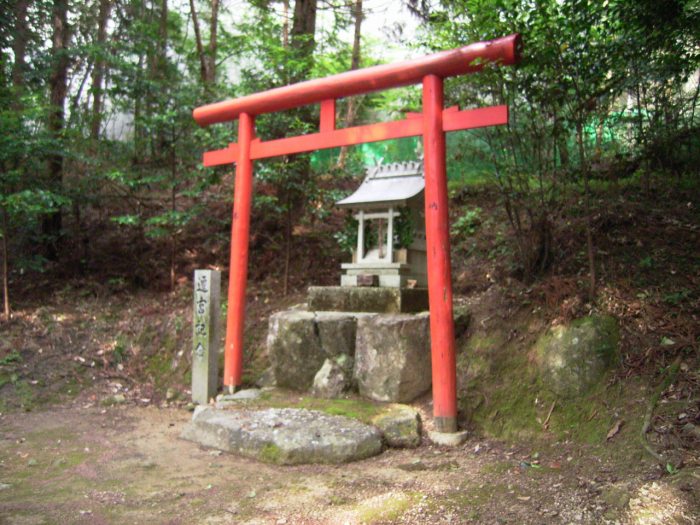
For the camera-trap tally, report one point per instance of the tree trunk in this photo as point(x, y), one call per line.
point(587, 210)
point(211, 54)
point(354, 64)
point(19, 47)
point(99, 71)
point(5, 267)
point(285, 24)
point(303, 34)
point(287, 245)
point(162, 58)
point(207, 58)
point(138, 103)
point(173, 209)
point(51, 224)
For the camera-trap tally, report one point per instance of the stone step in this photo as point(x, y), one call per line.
point(285, 436)
point(377, 300)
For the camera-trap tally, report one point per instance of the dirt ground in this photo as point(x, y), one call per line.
point(83, 463)
point(94, 379)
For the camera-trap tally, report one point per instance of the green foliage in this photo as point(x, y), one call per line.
point(603, 90)
point(12, 357)
point(468, 224)
point(599, 82)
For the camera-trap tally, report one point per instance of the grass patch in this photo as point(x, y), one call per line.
point(385, 508)
point(271, 453)
point(467, 501)
point(12, 357)
point(358, 409)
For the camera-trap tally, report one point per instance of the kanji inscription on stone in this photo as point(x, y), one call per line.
point(205, 335)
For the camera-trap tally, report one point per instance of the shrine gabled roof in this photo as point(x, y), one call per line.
point(387, 185)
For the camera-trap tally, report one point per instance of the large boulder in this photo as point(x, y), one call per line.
point(294, 348)
point(392, 356)
point(284, 436)
point(299, 342)
point(575, 357)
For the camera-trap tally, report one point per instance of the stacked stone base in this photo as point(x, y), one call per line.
point(384, 356)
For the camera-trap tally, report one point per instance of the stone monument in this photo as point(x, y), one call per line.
point(205, 335)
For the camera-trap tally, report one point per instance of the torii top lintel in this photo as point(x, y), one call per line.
point(460, 61)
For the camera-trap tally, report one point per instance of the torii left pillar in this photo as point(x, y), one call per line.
point(240, 229)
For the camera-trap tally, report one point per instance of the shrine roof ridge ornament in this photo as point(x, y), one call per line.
point(395, 169)
point(468, 59)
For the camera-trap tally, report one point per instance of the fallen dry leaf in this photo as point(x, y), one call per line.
point(615, 428)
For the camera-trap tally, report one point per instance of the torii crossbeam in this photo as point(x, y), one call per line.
point(432, 124)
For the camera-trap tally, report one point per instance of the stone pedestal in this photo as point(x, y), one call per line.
point(377, 300)
point(390, 352)
point(299, 342)
point(392, 357)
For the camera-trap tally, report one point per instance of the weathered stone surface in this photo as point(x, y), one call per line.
point(448, 439)
point(400, 426)
point(360, 299)
point(336, 332)
point(284, 436)
point(242, 396)
point(575, 357)
point(205, 335)
point(392, 356)
point(294, 348)
point(299, 342)
point(334, 377)
point(266, 379)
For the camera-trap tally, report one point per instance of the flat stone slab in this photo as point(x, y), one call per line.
point(285, 436)
point(375, 300)
point(242, 396)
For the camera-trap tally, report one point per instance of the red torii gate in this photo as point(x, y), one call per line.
point(431, 124)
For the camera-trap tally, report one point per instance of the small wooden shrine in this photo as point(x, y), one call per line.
point(390, 249)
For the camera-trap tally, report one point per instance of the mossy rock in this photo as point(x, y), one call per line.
point(573, 358)
point(400, 425)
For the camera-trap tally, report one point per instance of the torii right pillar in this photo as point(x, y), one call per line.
point(442, 338)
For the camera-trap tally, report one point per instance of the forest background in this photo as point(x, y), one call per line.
point(100, 159)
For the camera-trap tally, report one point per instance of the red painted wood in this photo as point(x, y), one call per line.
point(337, 138)
point(474, 118)
point(410, 127)
point(238, 273)
point(468, 59)
point(221, 156)
point(327, 122)
point(437, 228)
